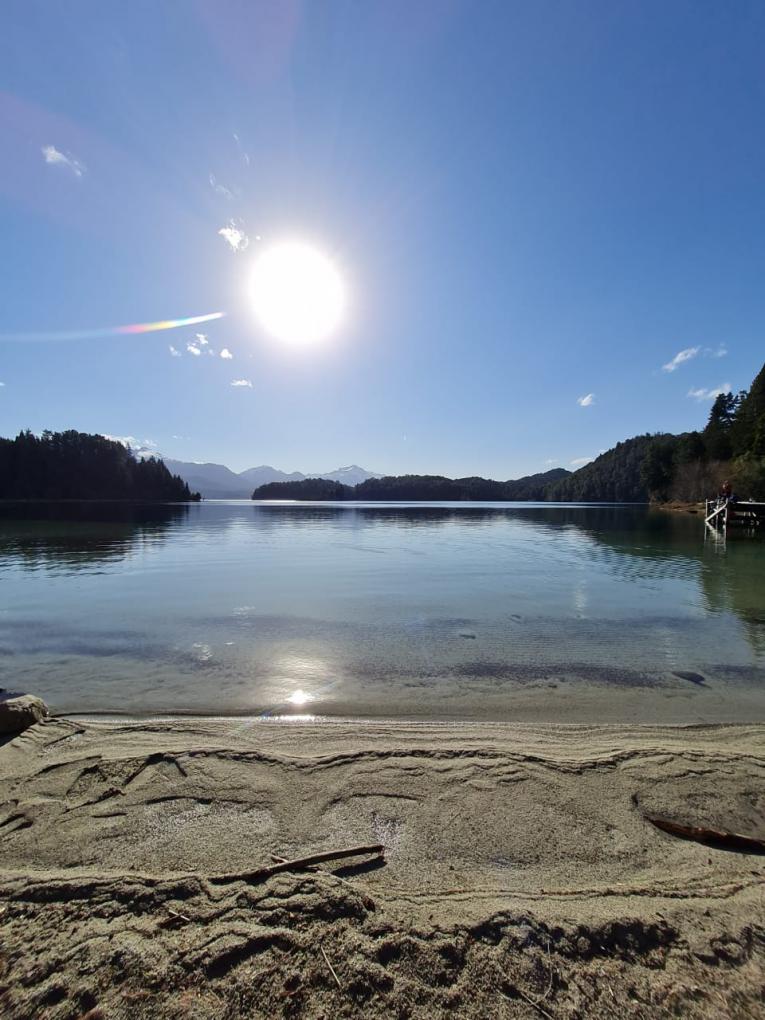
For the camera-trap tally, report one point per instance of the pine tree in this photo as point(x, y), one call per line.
point(717, 434)
point(749, 413)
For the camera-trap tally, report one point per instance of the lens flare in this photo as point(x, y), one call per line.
point(95, 334)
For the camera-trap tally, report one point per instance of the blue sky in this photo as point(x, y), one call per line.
point(530, 203)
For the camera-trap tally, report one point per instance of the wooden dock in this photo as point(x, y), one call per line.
point(726, 515)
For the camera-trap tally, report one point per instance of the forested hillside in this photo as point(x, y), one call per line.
point(690, 466)
point(613, 477)
point(75, 465)
point(414, 487)
point(305, 489)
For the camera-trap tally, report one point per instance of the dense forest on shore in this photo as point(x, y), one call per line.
point(75, 465)
point(414, 487)
point(658, 467)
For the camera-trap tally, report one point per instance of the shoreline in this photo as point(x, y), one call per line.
point(678, 702)
point(518, 865)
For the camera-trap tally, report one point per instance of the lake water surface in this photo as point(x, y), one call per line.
point(419, 610)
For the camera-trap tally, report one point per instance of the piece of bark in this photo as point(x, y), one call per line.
point(718, 838)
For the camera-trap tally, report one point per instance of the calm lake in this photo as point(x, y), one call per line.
point(486, 611)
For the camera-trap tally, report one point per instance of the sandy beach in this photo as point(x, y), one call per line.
point(519, 878)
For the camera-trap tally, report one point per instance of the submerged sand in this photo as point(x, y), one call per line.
point(520, 877)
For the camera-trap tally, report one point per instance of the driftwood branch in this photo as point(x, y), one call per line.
point(298, 864)
point(718, 838)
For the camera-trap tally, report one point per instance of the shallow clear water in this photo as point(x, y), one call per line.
point(383, 609)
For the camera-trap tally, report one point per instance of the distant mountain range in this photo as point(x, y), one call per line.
point(216, 481)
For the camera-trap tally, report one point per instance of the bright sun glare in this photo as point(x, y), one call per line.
point(297, 293)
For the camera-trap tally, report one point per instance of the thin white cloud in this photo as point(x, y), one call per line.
point(553, 460)
point(2, 384)
point(55, 157)
point(686, 355)
point(710, 394)
point(226, 354)
point(242, 382)
point(586, 401)
point(580, 461)
point(193, 349)
point(721, 351)
point(245, 155)
point(220, 189)
point(202, 339)
point(174, 351)
point(234, 236)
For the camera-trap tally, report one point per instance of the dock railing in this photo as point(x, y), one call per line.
point(723, 513)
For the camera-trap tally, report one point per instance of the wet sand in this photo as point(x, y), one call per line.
point(520, 876)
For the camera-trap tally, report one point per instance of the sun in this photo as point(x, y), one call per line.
point(298, 295)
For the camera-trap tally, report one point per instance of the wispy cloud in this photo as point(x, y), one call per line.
point(553, 460)
point(221, 189)
point(226, 354)
point(710, 394)
point(242, 382)
point(245, 155)
point(580, 461)
point(55, 157)
point(693, 352)
point(586, 401)
point(202, 339)
point(174, 351)
point(682, 356)
point(193, 349)
point(234, 236)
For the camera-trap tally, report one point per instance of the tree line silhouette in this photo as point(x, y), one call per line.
point(76, 465)
point(414, 487)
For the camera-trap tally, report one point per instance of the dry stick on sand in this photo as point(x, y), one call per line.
point(717, 838)
point(298, 864)
point(326, 960)
point(176, 915)
point(534, 1003)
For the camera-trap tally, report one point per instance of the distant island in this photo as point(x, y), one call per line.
point(657, 467)
point(76, 465)
point(415, 487)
